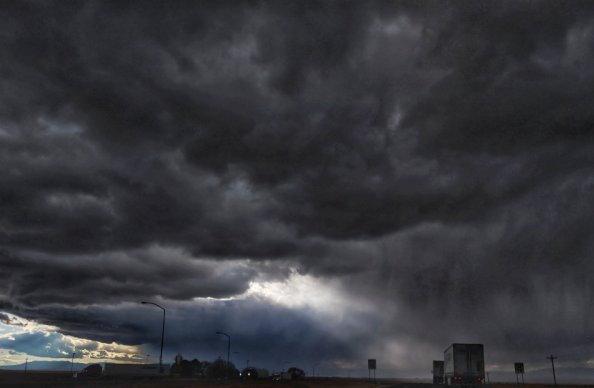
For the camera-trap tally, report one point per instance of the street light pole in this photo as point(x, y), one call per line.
point(162, 335)
point(237, 358)
point(228, 348)
point(72, 363)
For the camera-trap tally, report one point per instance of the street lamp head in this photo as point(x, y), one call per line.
point(143, 302)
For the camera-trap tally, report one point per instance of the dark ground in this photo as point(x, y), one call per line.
point(9, 379)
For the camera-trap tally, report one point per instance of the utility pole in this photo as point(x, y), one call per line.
point(552, 358)
point(237, 353)
point(228, 351)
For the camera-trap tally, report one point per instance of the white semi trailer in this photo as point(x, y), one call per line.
point(464, 364)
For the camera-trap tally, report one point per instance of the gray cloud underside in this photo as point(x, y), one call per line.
point(436, 157)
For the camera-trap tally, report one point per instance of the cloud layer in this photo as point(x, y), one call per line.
point(431, 162)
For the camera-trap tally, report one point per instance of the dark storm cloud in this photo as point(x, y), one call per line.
point(5, 319)
point(516, 75)
point(118, 276)
point(436, 156)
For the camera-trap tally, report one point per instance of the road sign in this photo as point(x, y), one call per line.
point(519, 367)
point(371, 363)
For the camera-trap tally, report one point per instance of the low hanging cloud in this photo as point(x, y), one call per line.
point(431, 162)
point(113, 277)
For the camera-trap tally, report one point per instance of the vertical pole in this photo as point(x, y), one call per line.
point(26, 364)
point(517, 378)
point(552, 358)
point(72, 363)
point(162, 338)
point(162, 335)
point(228, 353)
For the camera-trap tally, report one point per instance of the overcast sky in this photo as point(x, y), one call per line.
point(327, 182)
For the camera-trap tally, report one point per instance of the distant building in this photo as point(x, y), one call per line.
point(178, 359)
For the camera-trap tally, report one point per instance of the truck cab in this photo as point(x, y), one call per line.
point(437, 372)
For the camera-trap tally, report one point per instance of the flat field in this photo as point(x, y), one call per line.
point(64, 379)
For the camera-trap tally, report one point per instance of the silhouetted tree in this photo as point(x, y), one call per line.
point(204, 365)
point(296, 373)
point(219, 369)
point(187, 368)
point(196, 368)
point(175, 369)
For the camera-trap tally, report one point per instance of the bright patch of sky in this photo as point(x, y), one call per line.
point(325, 297)
point(22, 339)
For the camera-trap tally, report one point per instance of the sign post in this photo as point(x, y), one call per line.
point(371, 365)
point(519, 368)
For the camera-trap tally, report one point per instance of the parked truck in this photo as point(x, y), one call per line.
point(437, 372)
point(464, 364)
